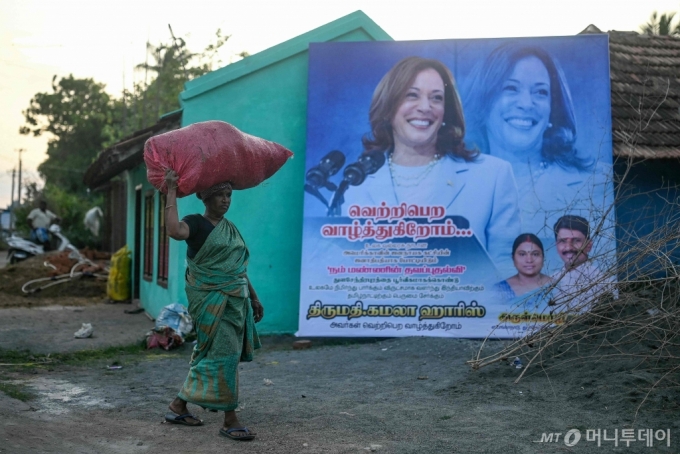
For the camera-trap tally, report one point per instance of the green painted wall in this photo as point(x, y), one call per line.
point(152, 296)
point(264, 95)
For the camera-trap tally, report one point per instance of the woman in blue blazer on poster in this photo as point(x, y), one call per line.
point(521, 110)
point(417, 119)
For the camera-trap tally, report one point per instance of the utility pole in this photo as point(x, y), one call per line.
point(20, 150)
point(11, 203)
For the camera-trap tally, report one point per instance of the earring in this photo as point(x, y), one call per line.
point(443, 123)
point(549, 125)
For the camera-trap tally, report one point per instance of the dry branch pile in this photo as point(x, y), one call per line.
point(636, 321)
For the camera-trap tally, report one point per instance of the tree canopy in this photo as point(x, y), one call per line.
point(661, 25)
point(169, 66)
point(81, 118)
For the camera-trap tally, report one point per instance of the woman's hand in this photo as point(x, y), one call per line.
point(171, 179)
point(258, 310)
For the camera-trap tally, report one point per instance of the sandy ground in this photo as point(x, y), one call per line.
point(47, 329)
point(393, 396)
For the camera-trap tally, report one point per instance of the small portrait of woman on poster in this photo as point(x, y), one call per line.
point(529, 284)
point(417, 120)
point(519, 108)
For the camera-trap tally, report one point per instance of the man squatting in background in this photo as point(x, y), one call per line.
point(39, 220)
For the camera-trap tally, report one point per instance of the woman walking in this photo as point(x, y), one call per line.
point(222, 303)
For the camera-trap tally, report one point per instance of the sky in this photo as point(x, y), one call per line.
point(105, 40)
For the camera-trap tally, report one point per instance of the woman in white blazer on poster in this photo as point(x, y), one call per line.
point(417, 120)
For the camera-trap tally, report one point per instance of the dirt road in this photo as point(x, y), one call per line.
point(388, 396)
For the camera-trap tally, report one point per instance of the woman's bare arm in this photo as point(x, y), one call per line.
point(176, 229)
point(258, 310)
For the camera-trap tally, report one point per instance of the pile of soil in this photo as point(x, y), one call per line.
point(90, 287)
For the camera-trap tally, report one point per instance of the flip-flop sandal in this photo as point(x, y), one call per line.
point(227, 433)
point(174, 418)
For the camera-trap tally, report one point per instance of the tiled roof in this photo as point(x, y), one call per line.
point(645, 84)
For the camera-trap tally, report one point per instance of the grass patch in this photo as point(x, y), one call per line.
point(159, 355)
point(15, 391)
point(25, 358)
point(105, 353)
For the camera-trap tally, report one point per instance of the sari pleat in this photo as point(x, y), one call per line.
point(219, 304)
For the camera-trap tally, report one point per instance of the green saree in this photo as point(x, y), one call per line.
point(219, 304)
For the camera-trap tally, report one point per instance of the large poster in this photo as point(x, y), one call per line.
point(450, 184)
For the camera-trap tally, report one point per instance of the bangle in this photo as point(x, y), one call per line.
point(169, 206)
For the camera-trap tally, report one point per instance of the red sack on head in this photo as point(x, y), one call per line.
point(209, 153)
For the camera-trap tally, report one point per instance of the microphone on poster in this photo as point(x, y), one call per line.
point(355, 174)
point(317, 176)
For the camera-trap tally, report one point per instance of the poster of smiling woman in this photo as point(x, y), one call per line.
point(447, 182)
